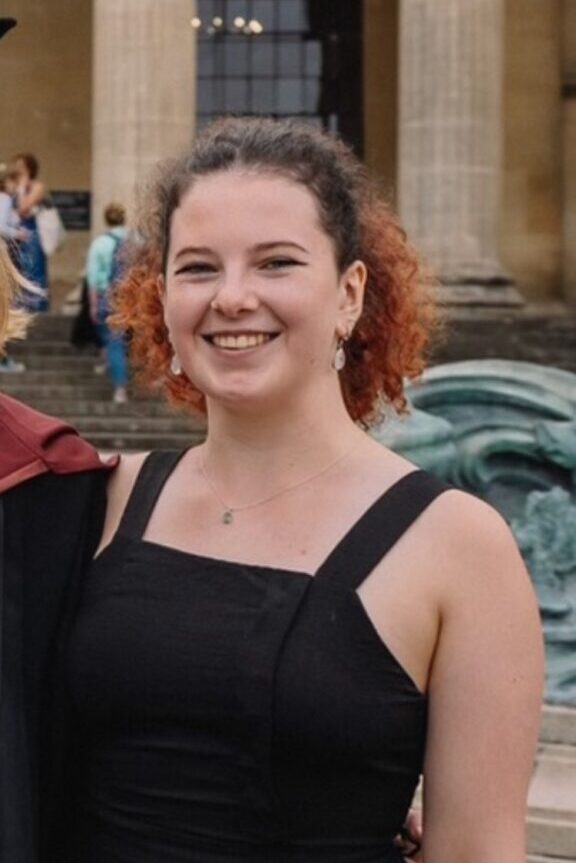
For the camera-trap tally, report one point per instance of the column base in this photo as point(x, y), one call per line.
point(498, 294)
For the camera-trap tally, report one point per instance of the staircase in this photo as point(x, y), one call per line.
point(61, 381)
point(552, 799)
point(531, 333)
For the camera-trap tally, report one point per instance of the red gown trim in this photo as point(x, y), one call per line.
point(32, 443)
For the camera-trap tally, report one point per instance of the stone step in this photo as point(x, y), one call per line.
point(58, 363)
point(135, 407)
point(546, 336)
point(552, 797)
point(558, 725)
point(148, 425)
point(33, 393)
point(35, 347)
point(45, 326)
point(142, 441)
point(537, 858)
point(47, 377)
point(554, 837)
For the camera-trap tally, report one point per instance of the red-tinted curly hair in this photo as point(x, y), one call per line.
point(390, 338)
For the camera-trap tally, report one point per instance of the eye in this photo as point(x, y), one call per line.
point(196, 268)
point(280, 263)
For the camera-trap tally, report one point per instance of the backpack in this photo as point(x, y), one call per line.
point(117, 263)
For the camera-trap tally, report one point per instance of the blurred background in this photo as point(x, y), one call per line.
point(464, 109)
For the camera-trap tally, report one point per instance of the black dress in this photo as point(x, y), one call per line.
point(234, 712)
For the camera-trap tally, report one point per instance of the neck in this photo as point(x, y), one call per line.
point(260, 446)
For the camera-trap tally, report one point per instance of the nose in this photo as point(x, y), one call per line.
point(234, 295)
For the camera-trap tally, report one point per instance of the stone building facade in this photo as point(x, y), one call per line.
point(469, 119)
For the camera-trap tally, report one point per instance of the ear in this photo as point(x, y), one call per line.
point(161, 287)
point(351, 289)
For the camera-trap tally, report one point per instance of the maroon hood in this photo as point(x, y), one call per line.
point(32, 443)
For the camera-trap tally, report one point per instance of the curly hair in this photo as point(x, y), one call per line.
point(389, 341)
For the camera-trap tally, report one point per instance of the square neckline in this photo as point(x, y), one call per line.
point(153, 494)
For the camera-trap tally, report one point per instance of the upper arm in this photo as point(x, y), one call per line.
point(32, 198)
point(119, 487)
point(485, 696)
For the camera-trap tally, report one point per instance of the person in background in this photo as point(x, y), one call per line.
point(102, 271)
point(12, 233)
point(30, 194)
point(11, 230)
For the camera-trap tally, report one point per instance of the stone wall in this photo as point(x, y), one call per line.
point(531, 222)
point(381, 91)
point(569, 150)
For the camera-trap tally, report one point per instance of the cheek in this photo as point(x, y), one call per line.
point(180, 310)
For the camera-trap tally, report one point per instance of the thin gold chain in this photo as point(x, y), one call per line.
point(229, 511)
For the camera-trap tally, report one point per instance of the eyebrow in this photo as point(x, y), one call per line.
point(259, 247)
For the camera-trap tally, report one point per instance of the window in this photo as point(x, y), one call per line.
point(283, 58)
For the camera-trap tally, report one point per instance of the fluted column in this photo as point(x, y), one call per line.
point(450, 134)
point(143, 92)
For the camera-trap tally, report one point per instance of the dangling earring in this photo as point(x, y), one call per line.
point(339, 360)
point(175, 366)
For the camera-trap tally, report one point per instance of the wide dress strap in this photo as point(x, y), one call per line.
point(381, 526)
point(150, 481)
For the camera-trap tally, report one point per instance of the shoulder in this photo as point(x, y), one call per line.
point(471, 544)
point(125, 475)
point(32, 443)
point(120, 487)
point(480, 579)
point(102, 243)
point(37, 190)
point(470, 527)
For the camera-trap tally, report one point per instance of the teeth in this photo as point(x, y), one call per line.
point(240, 342)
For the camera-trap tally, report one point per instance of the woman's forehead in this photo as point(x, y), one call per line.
point(249, 201)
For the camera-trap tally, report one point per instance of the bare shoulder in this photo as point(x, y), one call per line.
point(481, 572)
point(472, 531)
point(120, 485)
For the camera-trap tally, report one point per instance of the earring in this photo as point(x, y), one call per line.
point(339, 360)
point(175, 366)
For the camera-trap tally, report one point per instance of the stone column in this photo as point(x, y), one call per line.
point(450, 134)
point(144, 84)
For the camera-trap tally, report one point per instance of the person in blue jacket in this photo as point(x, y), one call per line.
point(103, 269)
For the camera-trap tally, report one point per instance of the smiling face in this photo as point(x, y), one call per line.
point(253, 299)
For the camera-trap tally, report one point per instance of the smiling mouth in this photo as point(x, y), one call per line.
point(240, 341)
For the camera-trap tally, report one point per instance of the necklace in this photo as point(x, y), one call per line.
point(228, 511)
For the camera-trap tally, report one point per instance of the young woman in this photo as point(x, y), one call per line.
point(30, 194)
point(286, 625)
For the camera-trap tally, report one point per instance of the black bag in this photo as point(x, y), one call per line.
point(84, 331)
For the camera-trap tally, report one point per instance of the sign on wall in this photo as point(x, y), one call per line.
point(74, 209)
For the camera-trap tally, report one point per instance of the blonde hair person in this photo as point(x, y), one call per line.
point(13, 321)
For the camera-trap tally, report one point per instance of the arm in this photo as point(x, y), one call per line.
point(485, 696)
point(8, 229)
point(30, 199)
